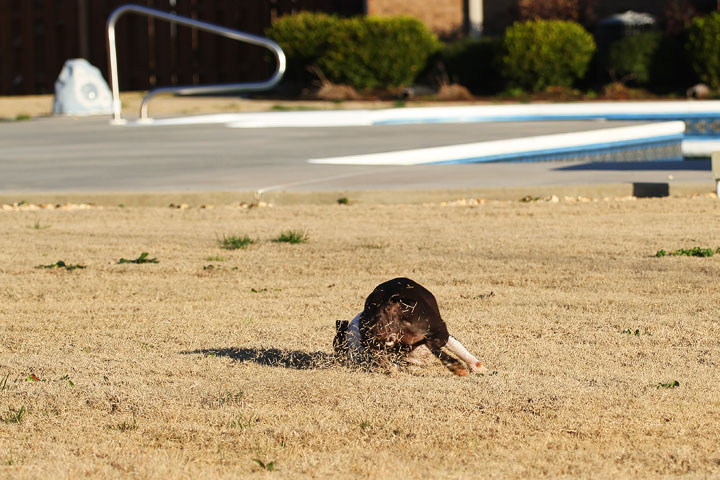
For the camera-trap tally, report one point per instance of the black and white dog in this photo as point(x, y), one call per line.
point(401, 320)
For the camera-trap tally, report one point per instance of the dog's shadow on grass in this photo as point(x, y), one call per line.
point(272, 357)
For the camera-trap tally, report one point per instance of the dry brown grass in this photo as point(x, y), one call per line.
point(163, 105)
point(181, 371)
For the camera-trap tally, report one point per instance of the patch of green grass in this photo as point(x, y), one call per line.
point(243, 423)
point(269, 466)
point(298, 108)
point(292, 236)
point(399, 103)
point(38, 226)
point(529, 198)
point(375, 245)
point(125, 426)
point(51, 411)
point(235, 242)
point(480, 296)
point(343, 201)
point(62, 264)
point(21, 117)
point(14, 415)
point(264, 290)
point(215, 258)
point(689, 252)
point(673, 384)
point(66, 378)
point(231, 398)
point(143, 258)
point(3, 383)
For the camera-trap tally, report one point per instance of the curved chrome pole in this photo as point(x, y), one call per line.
point(189, 89)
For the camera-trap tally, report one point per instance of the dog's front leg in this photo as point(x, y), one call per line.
point(457, 349)
point(450, 362)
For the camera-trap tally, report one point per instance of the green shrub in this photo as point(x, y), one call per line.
point(630, 58)
point(471, 62)
point(541, 53)
point(365, 52)
point(670, 68)
point(303, 37)
point(373, 52)
point(703, 48)
point(651, 60)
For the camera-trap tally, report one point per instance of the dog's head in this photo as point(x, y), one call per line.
point(385, 327)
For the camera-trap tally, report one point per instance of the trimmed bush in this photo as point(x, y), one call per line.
point(303, 37)
point(703, 48)
point(631, 57)
point(374, 52)
point(651, 60)
point(364, 52)
point(543, 53)
point(473, 63)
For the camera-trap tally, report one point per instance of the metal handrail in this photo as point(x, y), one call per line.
point(189, 89)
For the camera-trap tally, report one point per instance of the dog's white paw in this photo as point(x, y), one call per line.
point(478, 368)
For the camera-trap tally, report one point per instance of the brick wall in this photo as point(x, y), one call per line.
point(444, 17)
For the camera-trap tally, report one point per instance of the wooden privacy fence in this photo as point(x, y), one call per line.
point(38, 36)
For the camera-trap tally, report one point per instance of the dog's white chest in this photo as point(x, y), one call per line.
point(354, 342)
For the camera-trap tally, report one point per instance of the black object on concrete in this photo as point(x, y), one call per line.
point(644, 190)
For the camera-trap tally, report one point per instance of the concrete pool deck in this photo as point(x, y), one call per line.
point(701, 119)
point(64, 155)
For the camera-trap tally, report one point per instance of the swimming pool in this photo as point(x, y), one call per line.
point(675, 129)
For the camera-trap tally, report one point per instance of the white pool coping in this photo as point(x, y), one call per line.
point(697, 148)
point(650, 111)
point(523, 148)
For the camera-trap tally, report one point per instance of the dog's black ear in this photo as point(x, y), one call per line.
point(340, 345)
